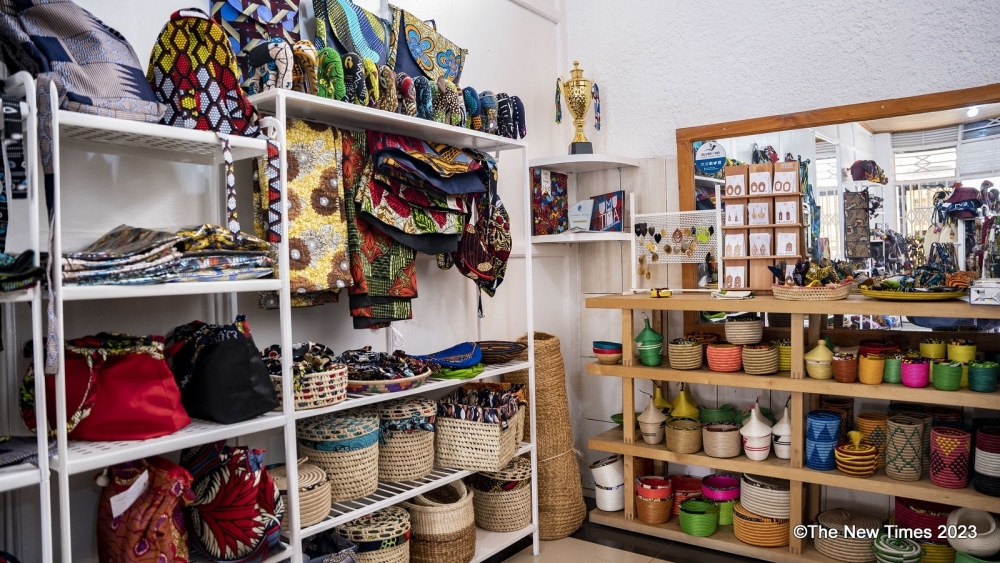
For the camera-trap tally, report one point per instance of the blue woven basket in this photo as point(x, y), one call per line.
point(823, 425)
point(820, 455)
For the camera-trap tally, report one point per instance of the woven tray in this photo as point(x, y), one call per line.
point(314, 493)
point(913, 295)
point(823, 293)
point(316, 390)
point(388, 385)
point(500, 351)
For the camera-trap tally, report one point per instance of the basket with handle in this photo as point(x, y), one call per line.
point(443, 525)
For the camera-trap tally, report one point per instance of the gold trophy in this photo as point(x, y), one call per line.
point(578, 91)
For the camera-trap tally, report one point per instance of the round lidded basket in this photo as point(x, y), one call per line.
point(699, 517)
point(856, 458)
point(344, 444)
point(845, 368)
point(760, 359)
point(845, 547)
point(721, 439)
point(724, 356)
point(443, 525)
point(654, 510)
point(314, 493)
point(747, 331)
point(502, 499)
point(683, 435)
point(406, 451)
point(871, 368)
point(381, 537)
point(685, 353)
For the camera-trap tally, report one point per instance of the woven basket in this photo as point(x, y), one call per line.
point(756, 530)
point(915, 373)
point(502, 499)
point(950, 450)
point(874, 430)
point(845, 368)
point(961, 351)
point(314, 493)
point(821, 293)
point(819, 370)
point(654, 511)
point(683, 435)
point(760, 359)
point(384, 533)
point(723, 356)
point(685, 487)
point(406, 455)
point(744, 332)
point(500, 351)
point(355, 472)
point(354, 436)
point(316, 390)
point(872, 346)
point(904, 448)
point(983, 376)
point(443, 525)
point(946, 376)
point(933, 348)
point(477, 446)
point(721, 439)
point(846, 547)
point(685, 354)
point(871, 368)
point(699, 518)
point(784, 354)
point(725, 413)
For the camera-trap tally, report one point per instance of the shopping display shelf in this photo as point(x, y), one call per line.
point(389, 494)
point(783, 382)
point(20, 296)
point(722, 540)
point(489, 543)
point(94, 133)
point(88, 456)
point(361, 118)
point(612, 442)
point(18, 476)
point(94, 292)
point(431, 384)
point(584, 236)
point(581, 163)
point(283, 555)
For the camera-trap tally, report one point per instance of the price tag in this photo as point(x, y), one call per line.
point(122, 501)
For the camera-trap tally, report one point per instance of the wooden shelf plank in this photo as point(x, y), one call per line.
point(612, 442)
point(853, 305)
point(784, 382)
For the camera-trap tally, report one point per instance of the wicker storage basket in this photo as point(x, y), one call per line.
point(904, 446)
point(725, 413)
point(874, 430)
point(821, 293)
point(407, 448)
point(753, 529)
point(685, 354)
point(699, 517)
point(443, 525)
point(760, 359)
point(845, 368)
point(723, 356)
point(381, 537)
point(871, 369)
point(721, 439)
point(654, 510)
point(683, 435)
point(314, 493)
point(345, 445)
point(315, 390)
point(744, 332)
point(502, 499)
point(847, 547)
point(474, 445)
point(500, 351)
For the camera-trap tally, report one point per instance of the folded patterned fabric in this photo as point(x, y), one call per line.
point(429, 199)
point(377, 200)
point(431, 244)
point(365, 365)
point(490, 403)
point(21, 449)
point(19, 272)
point(427, 165)
point(307, 357)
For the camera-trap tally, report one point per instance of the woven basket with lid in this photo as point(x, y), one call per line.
point(502, 499)
point(344, 444)
point(381, 537)
point(443, 525)
point(407, 448)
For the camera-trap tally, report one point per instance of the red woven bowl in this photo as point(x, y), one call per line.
point(724, 357)
point(720, 488)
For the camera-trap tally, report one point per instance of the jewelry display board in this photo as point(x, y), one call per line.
point(685, 237)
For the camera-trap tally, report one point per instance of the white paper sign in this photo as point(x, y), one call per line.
point(734, 246)
point(735, 277)
point(579, 215)
point(760, 244)
point(784, 183)
point(546, 181)
point(734, 215)
point(758, 213)
point(787, 244)
point(734, 186)
point(786, 212)
point(760, 183)
point(122, 501)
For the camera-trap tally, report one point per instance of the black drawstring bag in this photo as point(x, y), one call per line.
point(220, 372)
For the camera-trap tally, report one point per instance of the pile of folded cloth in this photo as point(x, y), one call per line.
point(19, 272)
point(130, 255)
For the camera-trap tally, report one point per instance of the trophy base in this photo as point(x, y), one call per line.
point(581, 148)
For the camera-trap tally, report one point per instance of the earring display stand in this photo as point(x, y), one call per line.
point(767, 184)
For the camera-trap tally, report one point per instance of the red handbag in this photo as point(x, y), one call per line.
point(119, 387)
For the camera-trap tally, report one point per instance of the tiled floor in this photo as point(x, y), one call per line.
point(572, 550)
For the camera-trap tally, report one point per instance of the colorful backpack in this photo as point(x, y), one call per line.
point(200, 85)
point(237, 512)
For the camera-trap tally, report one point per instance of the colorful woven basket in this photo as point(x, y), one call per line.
point(845, 368)
point(946, 375)
point(915, 372)
point(685, 487)
point(345, 445)
point(754, 529)
point(500, 351)
point(983, 376)
point(683, 435)
point(381, 537)
point(685, 354)
point(850, 544)
point(874, 430)
point(725, 357)
point(963, 351)
point(784, 354)
point(933, 348)
point(893, 368)
point(654, 511)
point(950, 449)
point(406, 449)
point(760, 359)
point(699, 517)
point(725, 413)
point(870, 369)
point(877, 347)
point(844, 406)
point(904, 448)
point(739, 331)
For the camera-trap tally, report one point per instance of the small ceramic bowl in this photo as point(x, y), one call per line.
point(605, 345)
point(606, 357)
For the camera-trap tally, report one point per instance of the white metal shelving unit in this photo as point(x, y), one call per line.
point(75, 131)
point(283, 104)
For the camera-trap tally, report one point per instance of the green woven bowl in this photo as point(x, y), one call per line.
point(699, 517)
point(619, 419)
point(725, 413)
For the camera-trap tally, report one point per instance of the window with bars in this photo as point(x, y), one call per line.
point(928, 164)
point(828, 199)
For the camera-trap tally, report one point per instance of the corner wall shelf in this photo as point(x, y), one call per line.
point(579, 163)
point(587, 236)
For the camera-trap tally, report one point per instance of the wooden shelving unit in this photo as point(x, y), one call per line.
point(804, 396)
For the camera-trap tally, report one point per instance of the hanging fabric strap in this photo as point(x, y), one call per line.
point(12, 148)
point(519, 119)
point(558, 100)
point(596, 93)
point(232, 220)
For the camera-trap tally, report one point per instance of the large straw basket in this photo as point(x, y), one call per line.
point(683, 435)
point(407, 449)
point(316, 390)
point(654, 510)
point(753, 529)
point(721, 439)
point(821, 293)
point(502, 499)
point(382, 536)
point(685, 354)
point(345, 445)
point(314, 493)
point(443, 525)
point(760, 359)
point(477, 446)
point(744, 331)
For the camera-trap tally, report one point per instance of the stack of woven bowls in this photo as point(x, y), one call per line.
point(822, 429)
point(856, 458)
point(986, 542)
point(381, 537)
point(721, 439)
point(983, 376)
point(845, 367)
point(765, 496)
point(760, 359)
point(744, 331)
point(874, 430)
point(760, 531)
point(724, 356)
point(784, 354)
point(406, 451)
point(345, 445)
point(685, 487)
point(724, 491)
point(915, 372)
point(699, 517)
point(844, 406)
point(609, 482)
point(904, 448)
point(654, 499)
point(684, 353)
point(950, 449)
point(855, 535)
point(987, 463)
point(919, 514)
point(937, 552)
point(683, 435)
point(896, 550)
point(314, 493)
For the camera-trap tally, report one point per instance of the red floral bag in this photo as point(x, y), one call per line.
point(119, 387)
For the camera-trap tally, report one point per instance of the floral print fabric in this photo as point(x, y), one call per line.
point(490, 403)
point(365, 365)
point(377, 200)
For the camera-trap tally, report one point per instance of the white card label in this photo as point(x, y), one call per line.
point(122, 501)
point(546, 181)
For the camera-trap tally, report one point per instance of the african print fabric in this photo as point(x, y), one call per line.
point(377, 200)
point(248, 23)
point(19, 272)
point(271, 67)
point(427, 165)
point(365, 365)
point(330, 75)
point(436, 56)
point(356, 29)
point(491, 403)
point(304, 73)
